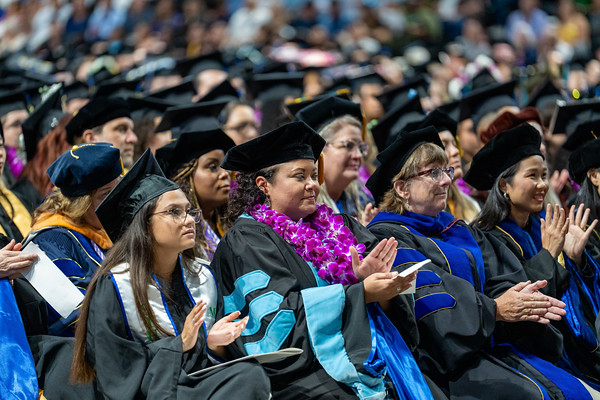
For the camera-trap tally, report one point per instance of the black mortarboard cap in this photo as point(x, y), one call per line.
point(12, 101)
point(97, 112)
point(567, 116)
point(119, 88)
point(583, 159)
point(84, 168)
point(483, 101)
point(393, 158)
point(339, 83)
point(372, 77)
point(41, 121)
point(189, 146)
point(452, 109)
point(482, 80)
point(193, 66)
point(144, 182)
point(384, 133)
point(147, 107)
point(277, 85)
point(324, 111)
point(583, 133)
point(191, 117)
point(501, 152)
point(291, 141)
point(178, 94)
point(436, 118)
point(76, 90)
point(222, 92)
point(545, 95)
point(297, 104)
point(396, 95)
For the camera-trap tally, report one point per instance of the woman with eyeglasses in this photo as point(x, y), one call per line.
point(484, 328)
point(149, 317)
point(340, 123)
point(551, 246)
point(193, 161)
point(239, 122)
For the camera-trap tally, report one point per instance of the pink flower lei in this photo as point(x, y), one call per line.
point(322, 239)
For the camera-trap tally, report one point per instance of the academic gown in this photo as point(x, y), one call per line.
point(460, 340)
point(575, 285)
point(129, 369)
point(290, 306)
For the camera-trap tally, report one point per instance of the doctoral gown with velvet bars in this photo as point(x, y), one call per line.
point(262, 276)
point(576, 286)
point(456, 316)
point(128, 369)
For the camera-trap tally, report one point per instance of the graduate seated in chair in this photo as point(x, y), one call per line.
point(148, 319)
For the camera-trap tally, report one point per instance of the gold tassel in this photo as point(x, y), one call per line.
point(321, 167)
point(594, 135)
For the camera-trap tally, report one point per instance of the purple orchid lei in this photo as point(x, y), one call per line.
point(322, 239)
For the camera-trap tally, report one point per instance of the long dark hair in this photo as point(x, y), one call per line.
point(246, 195)
point(135, 247)
point(588, 195)
point(496, 207)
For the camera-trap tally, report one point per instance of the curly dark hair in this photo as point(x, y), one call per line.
point(246, 195)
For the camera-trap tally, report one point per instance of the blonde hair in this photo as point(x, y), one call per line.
point(73, 208)
point(427, 153)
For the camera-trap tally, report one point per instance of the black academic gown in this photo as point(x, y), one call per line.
point(458, 329)
point(128, 369)
point(583, 360)
point(252, 263)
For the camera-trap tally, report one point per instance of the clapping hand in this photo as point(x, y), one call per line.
point(554, 229)
point(577, 235)
point(189, 335)
point(225, 331)
point(380, 259)
point(524, 302)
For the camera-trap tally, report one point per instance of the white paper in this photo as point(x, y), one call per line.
point(261, 358)
point(409, 271)
point(51, 283)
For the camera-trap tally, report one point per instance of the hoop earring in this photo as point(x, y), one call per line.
point(506, 196)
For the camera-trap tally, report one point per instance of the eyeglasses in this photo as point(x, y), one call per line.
point(350, 146)
point(179, 214)
point(436, 174)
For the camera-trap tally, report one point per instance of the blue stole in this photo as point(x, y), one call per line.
point(530, 240)
point(453, 241)
point(18, 379)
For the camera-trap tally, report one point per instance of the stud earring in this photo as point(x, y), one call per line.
point(506, 196)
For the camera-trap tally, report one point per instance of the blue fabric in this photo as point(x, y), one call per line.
point(325, 333)
point(455, 239)
point(112, 278)
point(244, 285)
point(276, 333)
point(260, 307)
point(530, 240)
point(570, 386)
point(427, 278)
point(18, 379)
point(431, 303)
point(401, 366)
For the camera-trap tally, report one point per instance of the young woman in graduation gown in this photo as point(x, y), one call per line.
point(148, 319)
point(193, 161)
point(551, 248)
point(294, 269)
point(475, 312)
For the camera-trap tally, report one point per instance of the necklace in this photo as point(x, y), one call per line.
point(322, 239)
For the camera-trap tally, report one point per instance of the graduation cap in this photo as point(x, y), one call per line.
point(384, 133)
point(483, 101)
point(191, 117)
point(189, 146)
point(84, 168)
point(324, 111)
point(222, 92)
point(339, 83)
point(276, 85)
point(393, 158)
point(583, 133)
point(567, 116)
point(297, 104)
point(97, 112)
point(292, 141)
point(76, 90)
point(178, 94)
point(436, 118)
point(545, 95)
point(452, 109)
point(193, 66)
point(12, 101)
point(370, 78)
point(583, 159)
point(508, 120)
point(393, 96)
point(119, 88)
point(502, 152)
point(482, 80)
point(144, 182)
point(147, 107)
point(41, 121)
